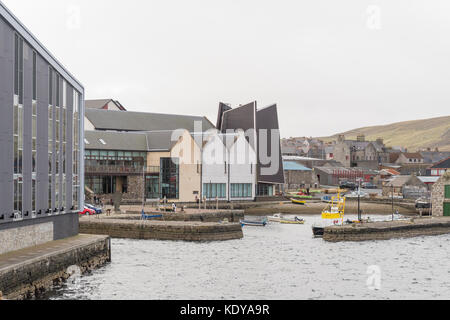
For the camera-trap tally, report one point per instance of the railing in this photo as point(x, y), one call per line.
point(121, 170)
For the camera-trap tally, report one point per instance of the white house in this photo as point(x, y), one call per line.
point(228, 167)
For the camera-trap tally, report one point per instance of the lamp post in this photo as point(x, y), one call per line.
point(392, 202)
point(359, 200)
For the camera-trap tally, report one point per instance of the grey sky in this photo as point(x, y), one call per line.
point(330, 65)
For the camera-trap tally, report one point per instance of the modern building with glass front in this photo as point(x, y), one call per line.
point(41, 130)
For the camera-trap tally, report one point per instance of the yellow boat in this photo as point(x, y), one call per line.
point(335, 209)
point(301, 202)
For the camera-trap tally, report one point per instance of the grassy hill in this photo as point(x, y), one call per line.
point(414, 135)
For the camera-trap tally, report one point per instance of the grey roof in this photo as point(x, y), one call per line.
point(100, 103)
point(434, 157)
point(137, 121)
point(160, 141)
point(126, 141)
point(96, 104)
point(129, 141)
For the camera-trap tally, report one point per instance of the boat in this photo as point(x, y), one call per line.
point(250, 223)
point(275, 218)
point(318, 231)
point(295, 221)
point(300, 202)
point(335, 211)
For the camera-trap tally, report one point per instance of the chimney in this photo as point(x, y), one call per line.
point(341, 138)
point(361, 138)
point(380, 141)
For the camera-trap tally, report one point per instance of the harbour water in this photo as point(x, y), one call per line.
point(280, 262)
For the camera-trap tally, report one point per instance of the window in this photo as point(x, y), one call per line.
point(215, 190)
point(169, 178)
point(447, 192)
point(241, 190)
point(34, 76)
point(18, 124)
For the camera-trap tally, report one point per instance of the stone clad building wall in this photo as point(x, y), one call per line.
point(438, 195)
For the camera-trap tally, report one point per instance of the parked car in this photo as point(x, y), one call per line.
point(87, 212)
point(97, 210)
point(369, 185)
point(348, 185)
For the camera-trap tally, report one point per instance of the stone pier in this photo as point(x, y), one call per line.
point(388, 230)
point(162, 230)
point(28, 273)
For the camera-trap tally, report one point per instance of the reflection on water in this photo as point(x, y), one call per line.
point(277, 262)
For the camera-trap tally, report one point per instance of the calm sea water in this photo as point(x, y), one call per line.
point(279, 262)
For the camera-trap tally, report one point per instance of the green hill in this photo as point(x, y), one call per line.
point(414, 135)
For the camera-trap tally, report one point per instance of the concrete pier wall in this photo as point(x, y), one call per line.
point(388, 230)
point(28, 273)
point(162, 230)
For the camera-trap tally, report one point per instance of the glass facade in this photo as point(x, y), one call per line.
point(170, 178)
point(29, 200)
point(241, 190)
point(18, 123)
point(265, 190)
point(215, 190)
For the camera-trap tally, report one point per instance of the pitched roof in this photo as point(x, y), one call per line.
point(138, 121)
point(415, 155)
point(444, 164)
point(434, 157)
point(294, 166)
point(126, 141)
point(399, 181)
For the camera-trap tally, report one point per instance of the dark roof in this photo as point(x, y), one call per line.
point(138, 121)
point(127, 141)
point(444, 164)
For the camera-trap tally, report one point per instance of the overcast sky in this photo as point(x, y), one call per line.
point(330, 65)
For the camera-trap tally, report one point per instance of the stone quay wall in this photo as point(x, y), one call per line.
point(231, 215)
point(162, 230)
point(388, 230)
point(34, 277)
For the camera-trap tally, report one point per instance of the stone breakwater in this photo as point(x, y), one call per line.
point(162, 230)
point(29, 273)
point(388, 230)
point(190, 215)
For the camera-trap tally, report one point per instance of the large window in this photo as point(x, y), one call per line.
point(34, 138)
point(215, 190)
point(169, 178)
point(76, 151)
point(264, 190)
point(18, 123)
point(241, 190)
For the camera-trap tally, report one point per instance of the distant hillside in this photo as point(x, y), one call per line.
point(414, 135)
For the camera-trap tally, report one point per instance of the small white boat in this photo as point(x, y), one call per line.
point(275, 218)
